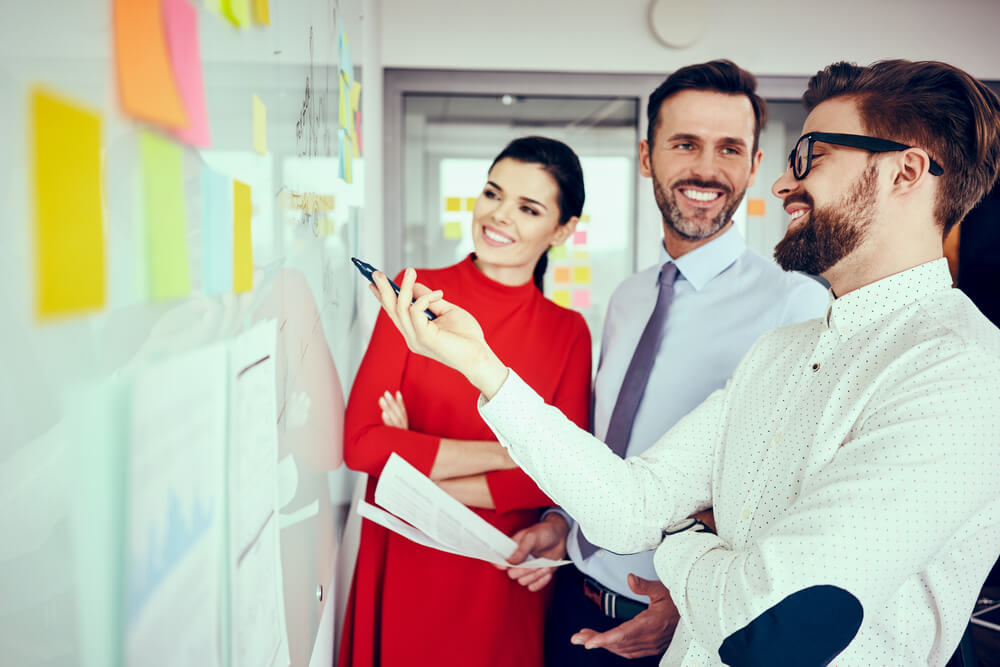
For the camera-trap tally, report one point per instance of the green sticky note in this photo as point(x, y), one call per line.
point(166, 229)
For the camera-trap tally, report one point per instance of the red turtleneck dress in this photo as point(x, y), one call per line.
point(410, 605)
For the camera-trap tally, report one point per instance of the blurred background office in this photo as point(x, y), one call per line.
point(385, 170)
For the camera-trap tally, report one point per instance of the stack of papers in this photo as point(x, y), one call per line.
point(419, 510)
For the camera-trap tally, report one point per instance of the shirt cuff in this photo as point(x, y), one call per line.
point(675, 558)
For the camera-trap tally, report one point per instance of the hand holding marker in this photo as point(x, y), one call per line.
point(367, 270)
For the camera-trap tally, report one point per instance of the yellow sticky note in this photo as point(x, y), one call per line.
point(237, 11)
point(452, 204)
point(581, 274)
point(355, 96)
point(756, 207)
point(259, 126)
point(561, 297)
point(557, 252)
point(585, 217)
point(242, 246)
point(581, 255)
point(452, 230)
point(470, 203)
point(261, 12)
point(166, 222)
point(214, 6)
point(69, 227)
point(561, 274)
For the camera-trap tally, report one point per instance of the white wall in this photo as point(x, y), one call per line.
point(768, 37)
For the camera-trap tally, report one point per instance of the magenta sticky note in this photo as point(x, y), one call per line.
point(181, 25)
point(581, 298)
point(579, 238)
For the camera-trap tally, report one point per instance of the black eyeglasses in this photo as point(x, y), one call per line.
point(801, 156)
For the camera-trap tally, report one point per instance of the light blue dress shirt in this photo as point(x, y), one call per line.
point(725, 297)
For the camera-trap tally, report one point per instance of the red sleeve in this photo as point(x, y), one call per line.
point(513, 489)
point(367, 441)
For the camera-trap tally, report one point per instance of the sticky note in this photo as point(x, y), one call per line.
point(355, 96)
point(452, 204)
point(261, 12)
point(344, 102)
point(557, 252)
point(344, 155)
point(581, 298)
point(242, 243)
point(561, 297)
point(181, 22)
point(581, 274)
point(470, 203)
point(579, 238)
point(216, 232)
point(259, 126)
point(581, 256)
point(214, 6)
point(237, 11)
point(146, 84)
point(344, 53)
point(69, 225)
point(756, 207)
point(357, 134)
point(561, 274)
point(166, 223)
point(452, 230)
point(585, 217)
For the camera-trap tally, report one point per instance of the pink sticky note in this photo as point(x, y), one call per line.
point(581, 298)
point(579, 238)
point(181, 25)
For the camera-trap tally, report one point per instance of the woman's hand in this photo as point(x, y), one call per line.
point(454, 338)
point(393, 410)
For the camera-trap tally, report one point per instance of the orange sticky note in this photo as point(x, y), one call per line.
point(242, 247)
point(261, 12)
point(146, 83)
point(452, 204)
point(561, 297)
point(581, 274)
point(755, 207)
point(69, 226)
point(561, 274)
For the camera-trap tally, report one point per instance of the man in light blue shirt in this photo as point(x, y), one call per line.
point(701, 153)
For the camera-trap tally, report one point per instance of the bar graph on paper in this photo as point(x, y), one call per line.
point(175, 527)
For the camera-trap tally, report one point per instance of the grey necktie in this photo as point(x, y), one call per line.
point(636, 377)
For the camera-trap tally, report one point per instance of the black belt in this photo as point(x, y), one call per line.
point(612, 604)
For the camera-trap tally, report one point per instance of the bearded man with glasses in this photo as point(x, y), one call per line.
point(851, 460)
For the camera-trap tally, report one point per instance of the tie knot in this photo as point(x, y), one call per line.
point(668, 272)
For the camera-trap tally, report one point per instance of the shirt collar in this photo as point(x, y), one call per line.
point(856, 310)
point(704, 263)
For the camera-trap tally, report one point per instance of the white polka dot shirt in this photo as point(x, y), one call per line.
point(860, 451)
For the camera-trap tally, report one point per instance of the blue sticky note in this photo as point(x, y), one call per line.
point(216, 231)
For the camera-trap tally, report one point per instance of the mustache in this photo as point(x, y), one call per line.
point(802, 198)
point(697, 183)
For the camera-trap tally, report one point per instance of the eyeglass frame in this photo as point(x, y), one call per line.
point(872, 144)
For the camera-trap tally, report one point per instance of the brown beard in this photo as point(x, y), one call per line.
point(666, 200)
point(832, 232)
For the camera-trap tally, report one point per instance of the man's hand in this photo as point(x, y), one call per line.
point(649, 633)
point(546, 539)
point(454, 338)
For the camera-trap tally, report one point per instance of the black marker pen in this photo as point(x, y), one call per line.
point(367, 270)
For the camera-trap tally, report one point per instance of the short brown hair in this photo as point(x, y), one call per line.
point(718, 76)
point(933, 105)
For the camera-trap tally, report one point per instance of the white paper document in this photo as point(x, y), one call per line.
point(435, 519)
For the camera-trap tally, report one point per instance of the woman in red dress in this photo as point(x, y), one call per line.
point(411, 605)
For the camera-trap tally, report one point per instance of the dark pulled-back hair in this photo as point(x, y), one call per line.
point(720, 76)
point(931, 105)
point(561, 163)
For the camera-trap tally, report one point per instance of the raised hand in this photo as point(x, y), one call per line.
point(454, 338)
